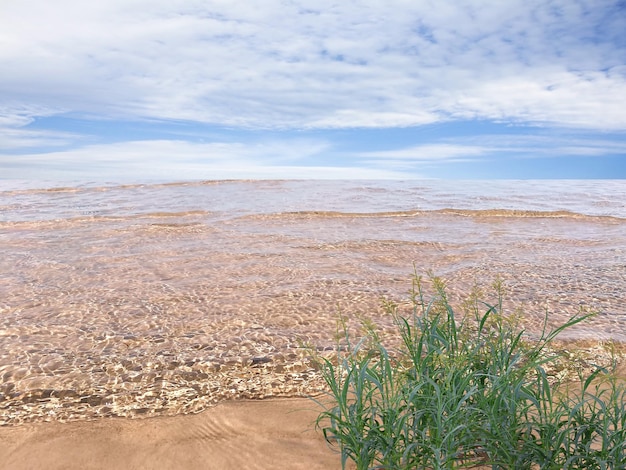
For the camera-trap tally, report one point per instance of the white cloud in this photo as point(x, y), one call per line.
point(490, 147)
point(179, 160)
point(410, 158)
point(431, 152)
point(551, 144)
point(320, 64)
point(13, 119)
point(568, 99)
point(11, 138)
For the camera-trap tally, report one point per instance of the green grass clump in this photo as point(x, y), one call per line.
point(467, 393)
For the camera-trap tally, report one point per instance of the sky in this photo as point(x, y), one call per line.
point(398, 89)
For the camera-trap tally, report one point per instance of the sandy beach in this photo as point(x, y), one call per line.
point(263, 434)
point(136, 338)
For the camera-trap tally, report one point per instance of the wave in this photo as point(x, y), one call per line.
point(165, 214)
point(511, 213)
point(478, 213)
point(328, 214)
point(108, 218)
point(262, 198)
point(483, 214)
point(102, 187)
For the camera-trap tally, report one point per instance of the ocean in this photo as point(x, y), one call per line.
point(164, 298)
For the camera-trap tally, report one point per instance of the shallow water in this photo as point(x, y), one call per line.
point(165, 298)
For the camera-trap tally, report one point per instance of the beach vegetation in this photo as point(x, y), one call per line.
point(469, 392)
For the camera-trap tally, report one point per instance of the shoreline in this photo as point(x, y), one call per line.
point(168, 396)
point(169, 393)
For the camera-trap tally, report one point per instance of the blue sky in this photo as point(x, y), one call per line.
point(213, 89)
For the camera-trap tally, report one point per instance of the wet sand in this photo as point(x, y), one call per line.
point(266, 434)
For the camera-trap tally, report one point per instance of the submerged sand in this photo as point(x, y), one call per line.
point(164, 315)
point(262, 434)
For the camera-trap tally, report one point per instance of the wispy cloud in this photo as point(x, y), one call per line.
point(321, 65)
point(167, 159)
point(418, 156)
point(490, 148)
point(553, 144)
point(431, 152)
point(12, 138)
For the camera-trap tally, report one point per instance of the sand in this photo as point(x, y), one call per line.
point(263, 434)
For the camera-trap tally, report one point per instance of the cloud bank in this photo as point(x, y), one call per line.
point(289, 65)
